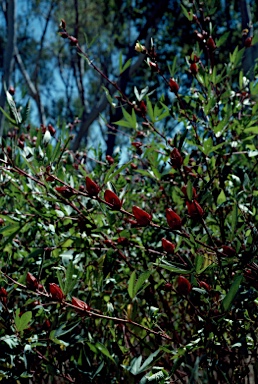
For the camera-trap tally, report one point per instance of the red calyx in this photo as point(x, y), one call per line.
point(31, 281)
point(92, 187)
point(229, 251)
point(174, 87)
point(111, 198)
point(176, 158)
point(173, 220)
point(168, 246)
point(143, 218)
point(64, 191)
point(3, 295)
point(211, 44)
point(248, 42)
point(194, 68)
point(56, 292)
point(205, 286)
point(80, 304)
point(183, 285)
point(195, 211)
point(110, 159)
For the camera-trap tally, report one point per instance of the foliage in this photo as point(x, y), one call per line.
point(144, 271)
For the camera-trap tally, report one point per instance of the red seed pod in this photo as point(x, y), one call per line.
point(143, 107)
point(51, 129)
point(143, 218)
point(110, 159)
point(80, 304)
point(183, 285)
point(111, 198)
point(31, 281)
point(176, 158)
point(168, 246)
point(173, 220)
point(133, 166)
point(122, 241)
point(174, 87)
point(194, 68)
point(64, 191)
point(3, 295)
point(137, 144)
point(229, 251)
point(168, 287)
point(92, 187)
point(50, 178)
point(195, 211)
point(56, 292)
point(248, 42)
point(211, 44)
point(205, 286)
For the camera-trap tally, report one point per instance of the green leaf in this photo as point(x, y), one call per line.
point(221, 198)
point(12, 121)
point(22, 322)
point(148, 361)
point(13, 108)
point(70, 280)
point(104, 350)
point(228, 299)
point(140, 281)
point(189, 190)
point(131, 284)
point(172, 268)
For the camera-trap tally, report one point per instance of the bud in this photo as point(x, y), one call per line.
point(92, 187)
point(168, 246)
point(111, 198)
point(62, 24)
point(80, 304)
point(51, 129)
point(50, 178)
point(195, 211)
point(73, 40)
point(176, 158)
point(133, 166)
point(183, 285)
point(194, 68)
point(110, 159)
point(11, 90)
point(64, 191)
point(154, 66)
point(173, 219)
point(168, 287)
point(174, 87)
point(143, 218)
point(56, 292)
point(140, 48)
point(31, 281)
point(64, 35)
point(211, 44)
point(122, 241)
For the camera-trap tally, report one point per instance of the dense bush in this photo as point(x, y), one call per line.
point(142, 269)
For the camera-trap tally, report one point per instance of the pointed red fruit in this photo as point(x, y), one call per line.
point(194, 68)
point(229, 251)
point(183, 285)
point(31, 281)
point(168, 246)
point(176, 158)
point(80, 304)
point(110, 159)
point(173, 220)
point(205, 286)
point(195, 211)
point(56, 292)
point(111, 198)
point(174, 87)
point(64, 191)
point(211, 44)
point(143, 218)
point(92, 187)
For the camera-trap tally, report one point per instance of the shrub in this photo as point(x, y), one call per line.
point(136, 273)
